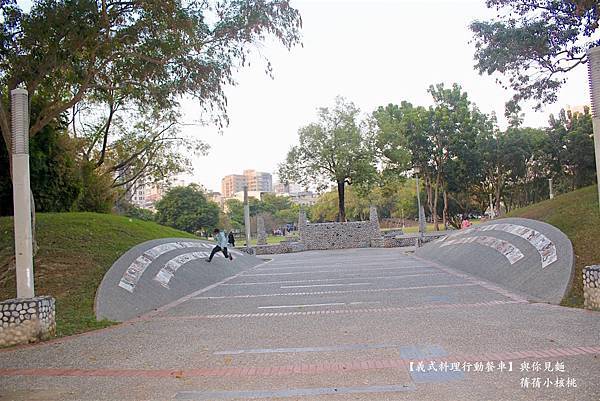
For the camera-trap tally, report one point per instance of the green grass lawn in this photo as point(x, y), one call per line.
point(577, 215)
point(271, 239)
point(75, 250)
point(429, 227)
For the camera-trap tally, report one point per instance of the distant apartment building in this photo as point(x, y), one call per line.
point(305, 198)
point(578, 109)
point(231, 184)
point(289, 189)
point(251, 194)
point(255, 180)
point(145, 195)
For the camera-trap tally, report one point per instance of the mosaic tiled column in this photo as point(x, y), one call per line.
point(26, 320)
point(591, 287)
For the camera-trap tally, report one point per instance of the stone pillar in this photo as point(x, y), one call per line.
point(373, 217)
point(261, 234)
point(302, 221)
point(247, 216)
point(26, 320)
point(377, 238)
point(591, 287)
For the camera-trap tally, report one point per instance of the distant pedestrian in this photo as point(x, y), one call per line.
point(465, 222)
point(221, 245)
point(231, 239)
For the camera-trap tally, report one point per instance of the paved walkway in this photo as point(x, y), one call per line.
point(365, 324)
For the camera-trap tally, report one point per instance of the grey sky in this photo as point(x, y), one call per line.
point(371, 52)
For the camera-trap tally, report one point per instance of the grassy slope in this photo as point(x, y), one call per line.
point(75, 250)
point(577, 215)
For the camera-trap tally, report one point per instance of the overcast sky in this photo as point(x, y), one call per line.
point(371, 52)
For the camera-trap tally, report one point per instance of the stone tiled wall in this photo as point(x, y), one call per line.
point(397, 242)
point(249, 250)
point(282, 247)
point(591, 287)
point(355, 234)
point(26, 320)
point(393, 233)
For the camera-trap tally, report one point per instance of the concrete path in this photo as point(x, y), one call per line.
point(364, 324)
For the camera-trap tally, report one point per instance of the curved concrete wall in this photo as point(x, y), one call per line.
point(157, 272)
point(523, 255)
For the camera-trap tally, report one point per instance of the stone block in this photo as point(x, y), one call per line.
point(260, 231)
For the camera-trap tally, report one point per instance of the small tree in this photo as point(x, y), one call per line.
point(335, 149)
point(187, 209)
point(235, 212)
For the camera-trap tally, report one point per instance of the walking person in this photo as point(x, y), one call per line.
point(231, 239)
point(221, 245)
point(465, 222)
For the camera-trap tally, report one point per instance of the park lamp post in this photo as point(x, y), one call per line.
point(247, 216)
point(22, 193)
point(594, 77)
point(417, 170)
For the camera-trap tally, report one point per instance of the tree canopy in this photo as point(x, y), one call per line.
point(187, 209)
point(149, 52)
point(337, 148)
point(534, 44)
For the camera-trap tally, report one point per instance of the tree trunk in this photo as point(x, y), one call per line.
point(445, 213)
point(498, 192)
point(341, 207)
point(429, 196)
point(436, 225)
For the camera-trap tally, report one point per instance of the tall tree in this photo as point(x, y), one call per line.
point(451, 132)
point(535, 43)
point(56, 181)
point(391, 124)
point(334, 149)
point(132, 147)
point(153, 52)
point(574, 152)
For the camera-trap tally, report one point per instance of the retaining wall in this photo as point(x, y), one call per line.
point(529, 257)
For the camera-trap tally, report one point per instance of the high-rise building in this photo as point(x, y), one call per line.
point(145, 195)
point(231, 184)
point(287, 189)
point(257, 181)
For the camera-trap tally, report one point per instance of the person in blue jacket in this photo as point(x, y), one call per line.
point(221, 239)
